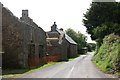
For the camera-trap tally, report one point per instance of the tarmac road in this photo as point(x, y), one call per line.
point(80, 67)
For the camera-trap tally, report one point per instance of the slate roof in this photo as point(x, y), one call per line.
point(58, 33)
point(69, 39)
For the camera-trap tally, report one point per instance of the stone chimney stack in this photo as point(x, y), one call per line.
point(24, 13)
point(54, 27)
point(61, 29)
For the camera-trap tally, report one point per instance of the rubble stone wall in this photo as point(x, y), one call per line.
point(17, 37)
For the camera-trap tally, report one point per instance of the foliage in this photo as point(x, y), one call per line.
point(91, 46)
point(105, 29)
point(78, 37)
point(102, 19)
point(108, 56)
point(70, 32)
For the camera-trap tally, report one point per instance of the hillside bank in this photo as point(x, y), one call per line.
point(107, 57)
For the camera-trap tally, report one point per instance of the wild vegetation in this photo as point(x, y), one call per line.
point(108, 56)
point(103, 24)
point(91, 47)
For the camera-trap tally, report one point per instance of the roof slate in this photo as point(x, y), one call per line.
point(69, 39)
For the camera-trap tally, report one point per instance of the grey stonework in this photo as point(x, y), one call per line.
point(0, 38)
point(24, 43)
point(60, 44)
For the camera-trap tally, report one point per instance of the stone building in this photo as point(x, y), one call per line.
point(24, 42)
point(59, 44)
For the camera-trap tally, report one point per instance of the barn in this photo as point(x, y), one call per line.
point(59, 44)
point(23, 41)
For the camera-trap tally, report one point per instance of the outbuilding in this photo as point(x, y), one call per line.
point(23, 41)
point(60, 44)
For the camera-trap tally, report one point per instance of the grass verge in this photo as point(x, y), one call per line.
point(70, 59)
point(14, 73)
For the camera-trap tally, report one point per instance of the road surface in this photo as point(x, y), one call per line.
point(80, 67)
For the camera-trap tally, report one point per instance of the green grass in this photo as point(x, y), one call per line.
point(9, 73)
point(90, 52)
point(14, 73)
point(106, 60)
point(118, 74)
point(70, 59)
point(107, 55)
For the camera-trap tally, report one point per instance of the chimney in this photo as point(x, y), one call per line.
point(61, 29)
point(24, 13)
point(54, 27)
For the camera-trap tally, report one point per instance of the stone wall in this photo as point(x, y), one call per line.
point(58, 50)
point(18, 36)
point(71, 49)
point(60, 44)
point(0, 38)
point(55, 48)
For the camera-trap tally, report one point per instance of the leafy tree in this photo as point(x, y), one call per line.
point(78, 37)
point(98, 18)
point(91, 46)
point(70, 32)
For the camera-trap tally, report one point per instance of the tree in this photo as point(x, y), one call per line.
point(91, 46)
point(98, 18)
point(70, 32)
point(78, 37)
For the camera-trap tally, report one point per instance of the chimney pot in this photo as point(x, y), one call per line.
point(25, 13)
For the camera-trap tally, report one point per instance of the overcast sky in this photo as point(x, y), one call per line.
point(66, 13)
